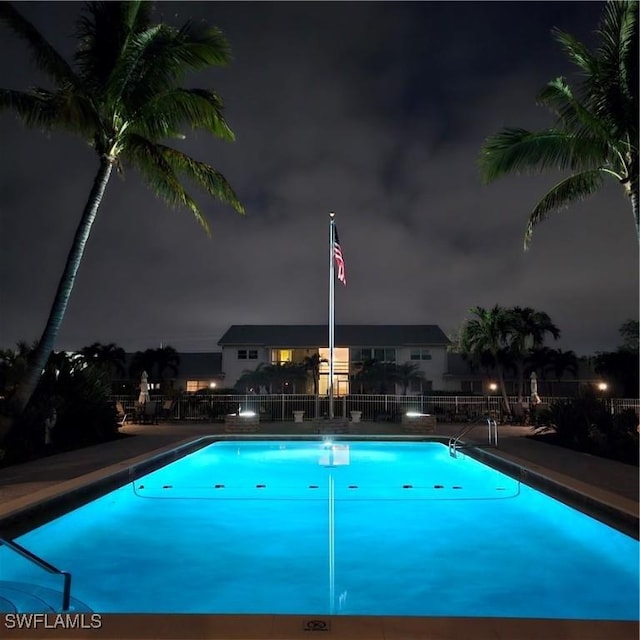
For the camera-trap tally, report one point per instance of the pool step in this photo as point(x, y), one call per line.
point(23, 597)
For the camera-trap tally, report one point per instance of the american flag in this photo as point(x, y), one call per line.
point(337, 254)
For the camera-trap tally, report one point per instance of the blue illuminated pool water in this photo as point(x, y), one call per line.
point(357, 528)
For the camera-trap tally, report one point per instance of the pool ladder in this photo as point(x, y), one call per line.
point(43, 564)
point(492, 428)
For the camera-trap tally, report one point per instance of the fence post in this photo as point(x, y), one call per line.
point(344, 406)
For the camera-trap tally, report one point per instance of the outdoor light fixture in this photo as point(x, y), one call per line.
point(602, 386)
point(493, 386)
point(212, 385)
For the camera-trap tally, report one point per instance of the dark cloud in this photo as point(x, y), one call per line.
point(374, 110)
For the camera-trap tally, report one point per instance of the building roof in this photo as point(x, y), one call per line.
point(346, 335)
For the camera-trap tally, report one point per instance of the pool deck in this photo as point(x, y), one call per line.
point(610, 482)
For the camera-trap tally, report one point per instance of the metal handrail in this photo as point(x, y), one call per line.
point(454, 440)
point(43, 564)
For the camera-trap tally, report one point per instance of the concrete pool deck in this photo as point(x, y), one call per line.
point(607, 481)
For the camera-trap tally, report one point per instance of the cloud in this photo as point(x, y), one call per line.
point(374, 110)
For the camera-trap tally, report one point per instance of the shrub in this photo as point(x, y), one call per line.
point(85, 415)
point(586, 424)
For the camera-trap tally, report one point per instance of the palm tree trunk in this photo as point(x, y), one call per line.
point(61, 300)
point(520, 368)
point(633, 195)
point(503, 389)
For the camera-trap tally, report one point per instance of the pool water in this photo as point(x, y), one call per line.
point(351, 528)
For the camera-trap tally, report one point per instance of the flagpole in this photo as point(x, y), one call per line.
point(331, 309)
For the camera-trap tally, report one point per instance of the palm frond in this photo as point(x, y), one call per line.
point(202, 174)
point(577, 52)
point(45, 56)
point(572, 114)
point(515, 150)
point(157, 58)
point(574, 188)
point(159, 175)
point(614, 88)
point(103, 30)
point(163, 116)
point(47, 110)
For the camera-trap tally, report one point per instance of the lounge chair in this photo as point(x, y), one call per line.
point(166, 411)
point(121, 415)
point(149, 413)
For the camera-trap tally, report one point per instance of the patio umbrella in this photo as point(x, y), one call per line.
point(144, 389)
point(535, 398)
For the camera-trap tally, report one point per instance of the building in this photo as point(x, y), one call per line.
point(245, 347)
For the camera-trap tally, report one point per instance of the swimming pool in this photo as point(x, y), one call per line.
point(344, 528)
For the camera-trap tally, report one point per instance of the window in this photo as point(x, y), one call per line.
point(253, 354)
point(242, 354)
point(368, 353)
point(420, 354)
point(196, 385)
point(281, 355)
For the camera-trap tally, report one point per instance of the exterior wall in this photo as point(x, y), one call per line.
point(233, 367)
point(433, 369)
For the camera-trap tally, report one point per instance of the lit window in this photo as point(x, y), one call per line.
point(280, 355)
point(196, 385)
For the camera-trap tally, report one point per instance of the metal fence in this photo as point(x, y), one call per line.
point(213, 408)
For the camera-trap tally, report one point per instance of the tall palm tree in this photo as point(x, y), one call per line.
point(486, 337)
point(123, 97)
point(596, 129)
point(527, 329)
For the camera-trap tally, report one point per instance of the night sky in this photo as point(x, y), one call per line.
point(376, 111)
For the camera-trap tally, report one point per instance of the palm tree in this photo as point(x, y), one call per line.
point(407, 373)
point(373, 376)
point(527, 329)
point(123, 97)
point(142, 361)
point(311, 365)
point(596, 130)
point(561, 362)
point(167, 358)
point(485, 338)
point(253, 379)
point(107, 356)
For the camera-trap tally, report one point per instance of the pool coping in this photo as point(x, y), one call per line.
point(27, 512)
point(295, 627)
